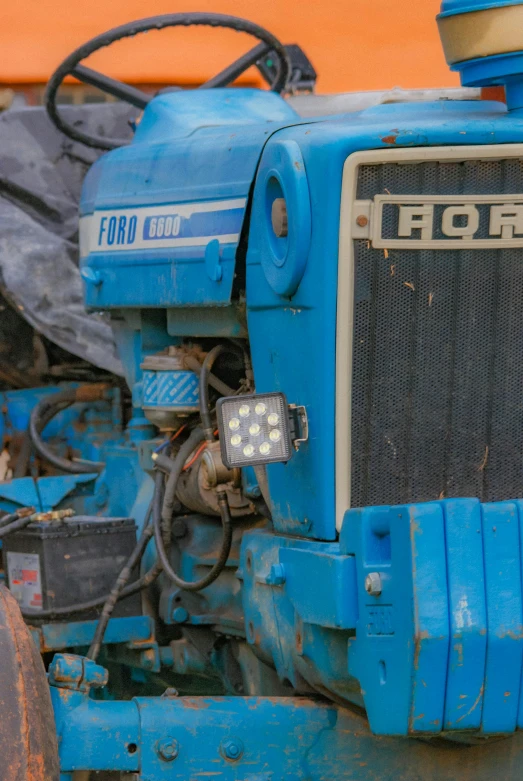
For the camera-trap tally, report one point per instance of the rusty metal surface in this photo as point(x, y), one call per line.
point(27, 729)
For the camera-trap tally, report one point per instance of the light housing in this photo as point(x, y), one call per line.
point(254, 429)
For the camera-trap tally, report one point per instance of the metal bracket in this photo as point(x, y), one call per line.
point(299, 425)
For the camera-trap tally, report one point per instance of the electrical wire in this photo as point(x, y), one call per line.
point(186, 449)
point(21, 523)
point(121, 581)
point(8, 519)
point(160, 534)
point(82, 607)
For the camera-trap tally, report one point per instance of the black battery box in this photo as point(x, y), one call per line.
point(52, 565)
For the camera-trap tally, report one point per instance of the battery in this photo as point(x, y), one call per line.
point(51, 565)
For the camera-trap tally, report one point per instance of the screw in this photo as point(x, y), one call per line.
point(232, 749)
point(373, 584)
point(362, 221)
point(168, 749)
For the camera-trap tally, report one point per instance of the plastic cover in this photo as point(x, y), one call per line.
point(41, 175)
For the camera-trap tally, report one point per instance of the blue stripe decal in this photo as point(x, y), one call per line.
point(217, 223)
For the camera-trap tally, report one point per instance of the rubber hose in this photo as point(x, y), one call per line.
point(194, 364)
point(42, 413)
point(205, 413)
point(225, 547)
point(196, 436)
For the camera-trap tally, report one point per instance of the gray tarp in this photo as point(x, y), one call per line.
point(41, 174)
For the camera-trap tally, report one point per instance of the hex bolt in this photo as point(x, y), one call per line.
point(373, 585)
point(168, 749)
point(232, 749)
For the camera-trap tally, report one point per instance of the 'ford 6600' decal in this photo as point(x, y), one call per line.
point(157, 227)
point(440, 221)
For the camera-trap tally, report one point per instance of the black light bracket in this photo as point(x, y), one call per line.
point(299, 425)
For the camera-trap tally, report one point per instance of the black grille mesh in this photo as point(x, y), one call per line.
point(437, 382)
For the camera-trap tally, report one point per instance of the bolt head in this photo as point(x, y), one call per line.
point(232, 749)
point(168, 749)
point(180, 615)
point(362, 221)
point(373, 585)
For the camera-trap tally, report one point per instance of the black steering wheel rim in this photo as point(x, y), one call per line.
point(73, 60)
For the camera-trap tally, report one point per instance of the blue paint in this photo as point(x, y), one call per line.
point(57, 635)
point(439, 647)
point(170, 390)
point(456, 7)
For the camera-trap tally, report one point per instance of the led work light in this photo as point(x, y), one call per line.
point(258, 429)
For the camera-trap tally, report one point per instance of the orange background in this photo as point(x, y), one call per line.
point(354, 44)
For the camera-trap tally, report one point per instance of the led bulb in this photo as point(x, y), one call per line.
point(265, 448)
point(273, 419)
point(254, 430)
point(248, 450)
point(236, 440)
point(260, 408)
point(234, 424)
point(275, 435)
point(244, 411)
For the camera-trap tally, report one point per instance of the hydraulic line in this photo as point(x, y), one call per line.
point(46, 409)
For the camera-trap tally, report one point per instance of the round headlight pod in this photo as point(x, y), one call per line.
point(248, 450)
point(244, 411)
point(236, 440)
point(275, 435)
point(265, 448)
point(273, 419)
point(234, 424)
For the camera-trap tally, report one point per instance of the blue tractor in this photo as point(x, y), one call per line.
point(297, 551)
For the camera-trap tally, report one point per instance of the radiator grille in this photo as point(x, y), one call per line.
point(437, 380)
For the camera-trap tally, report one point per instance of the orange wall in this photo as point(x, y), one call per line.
point(354, 44)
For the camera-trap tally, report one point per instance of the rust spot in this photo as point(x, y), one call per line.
point(194, 703)
point(474, 706)
point(389, 139)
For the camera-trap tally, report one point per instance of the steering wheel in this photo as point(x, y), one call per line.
point(71, 66)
